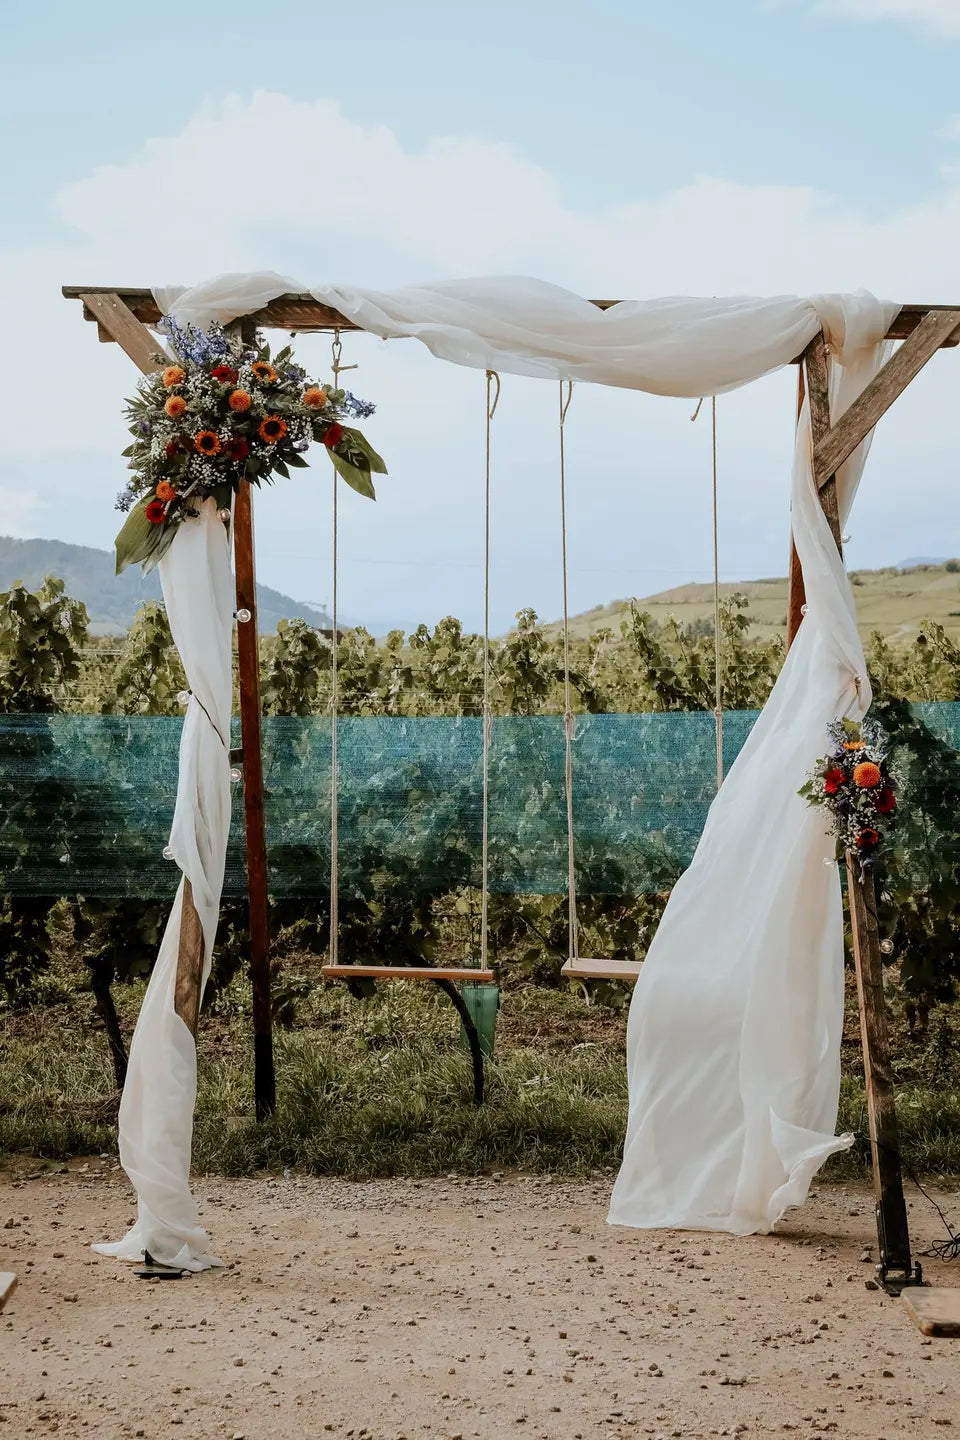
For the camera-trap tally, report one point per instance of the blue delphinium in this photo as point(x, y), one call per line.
point(192, 343)
point(359, 409)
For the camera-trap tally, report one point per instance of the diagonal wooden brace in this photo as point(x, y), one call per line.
point(115, 321)
point(840, 441)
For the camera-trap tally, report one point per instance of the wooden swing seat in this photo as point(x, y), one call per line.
point(453, 975)
point(583, 969)
point(447, 980)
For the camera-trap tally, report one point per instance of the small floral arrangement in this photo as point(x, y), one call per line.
point(858, 785)
point(217, 415)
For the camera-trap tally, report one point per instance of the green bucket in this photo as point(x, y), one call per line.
point(482, 1002)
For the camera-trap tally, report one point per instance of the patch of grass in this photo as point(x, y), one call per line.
point(380, 1087)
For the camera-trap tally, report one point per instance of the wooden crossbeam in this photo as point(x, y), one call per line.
point(838, 443)
point(302, 312)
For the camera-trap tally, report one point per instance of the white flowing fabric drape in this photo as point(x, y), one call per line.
point(156, 1112)
point(734, 1034)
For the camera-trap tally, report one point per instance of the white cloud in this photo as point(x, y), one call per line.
point(940, 16)
point(269, 182)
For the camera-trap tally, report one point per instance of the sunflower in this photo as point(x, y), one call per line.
point(866, 775)
point(207, 442)
point(175, 406)
point(265, 373)
point(174, 375)
point(165, 491)
point(239, 400)
point(272, 429)
point(314, 398)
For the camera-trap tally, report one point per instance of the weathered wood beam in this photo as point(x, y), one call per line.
point(248, 669)
point(892, 1226)
point(116, 321)
point(892, 1229)
point(300, 311)
point(854, 425)
point(817, 381)
point(796, 590)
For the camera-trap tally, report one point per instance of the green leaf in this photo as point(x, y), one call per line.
point(297, 461)
point(365, 448)
point(281, 468)
point(358, 480)
point(138, 539)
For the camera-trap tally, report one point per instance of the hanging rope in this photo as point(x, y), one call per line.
point(337, 351)
point(717, 671)
point(493, 399)
point(569, 719)
point(717, 662)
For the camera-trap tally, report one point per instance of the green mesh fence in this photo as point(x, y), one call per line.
point(86, 801)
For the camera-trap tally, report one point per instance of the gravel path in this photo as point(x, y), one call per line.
point(458, 1308)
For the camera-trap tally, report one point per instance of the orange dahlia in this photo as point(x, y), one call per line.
point(239, 400)
point(207, 442)
point(272, 429)
point(265, 373)
point(174, 375)
point(315, 398)
point(175, 406)
point(866, 775)
point(165, 491)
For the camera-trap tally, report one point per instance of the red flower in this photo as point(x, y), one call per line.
point(834, 780)
point(237, 449)
point(173, 448)
point(868, 839)
point(155, 512)
point(225, 373)
point(334, 435)
point(885, 802)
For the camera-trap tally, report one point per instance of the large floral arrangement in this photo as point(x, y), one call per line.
point(858, 785)
point(217, 415)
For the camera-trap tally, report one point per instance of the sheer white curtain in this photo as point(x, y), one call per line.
point(156, 1112)
point(734, 1036)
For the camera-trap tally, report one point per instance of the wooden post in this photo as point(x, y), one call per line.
point(248, 676)
point(248, 667)
point(796, 592)
point(892, 1228)
point(892, 1231)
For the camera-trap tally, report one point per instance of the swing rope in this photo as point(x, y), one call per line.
point(569, 719)
point(493, 399)
point(717, 671)
point(717, 663)
point(334, 947)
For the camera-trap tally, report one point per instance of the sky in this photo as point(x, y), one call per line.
point(621, 148)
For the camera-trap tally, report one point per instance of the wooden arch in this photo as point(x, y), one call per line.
point(122, 315)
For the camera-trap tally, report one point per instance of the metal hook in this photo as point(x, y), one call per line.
point(337, 351)
point(492, 376)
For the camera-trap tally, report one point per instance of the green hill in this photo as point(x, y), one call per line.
point(894, 601)
point(112, 600)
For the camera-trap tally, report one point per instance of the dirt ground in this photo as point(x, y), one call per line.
point(454, 1310)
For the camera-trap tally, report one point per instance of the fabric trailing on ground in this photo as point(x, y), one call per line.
point(159, 1097)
